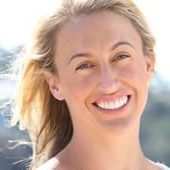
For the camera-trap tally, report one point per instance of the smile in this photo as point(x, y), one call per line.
point(112, 105)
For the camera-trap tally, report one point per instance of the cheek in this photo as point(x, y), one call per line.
point(137, 79)
point(76, 92)
point(135, 74)
point(78, 87)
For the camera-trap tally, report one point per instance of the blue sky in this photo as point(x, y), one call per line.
point(18, 18)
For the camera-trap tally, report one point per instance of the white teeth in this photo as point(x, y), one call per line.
point(114, 104)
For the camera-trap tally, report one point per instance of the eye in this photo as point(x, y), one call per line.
point(120, 57)
point(84, 66)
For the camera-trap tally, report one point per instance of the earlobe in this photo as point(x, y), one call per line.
point(54, 85)
point(150, 68)
point(150, 61)
point(57, 94)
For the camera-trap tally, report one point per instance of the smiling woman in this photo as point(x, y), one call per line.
point(84, 87)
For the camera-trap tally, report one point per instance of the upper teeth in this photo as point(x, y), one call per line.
point(113, 104)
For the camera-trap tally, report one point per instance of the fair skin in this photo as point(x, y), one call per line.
point(103, 75)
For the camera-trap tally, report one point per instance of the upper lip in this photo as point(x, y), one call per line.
point(110, 98)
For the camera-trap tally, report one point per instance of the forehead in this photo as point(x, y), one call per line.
point(96, 30)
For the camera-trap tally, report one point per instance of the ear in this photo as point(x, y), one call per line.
point(54, 85)
point(150, 64)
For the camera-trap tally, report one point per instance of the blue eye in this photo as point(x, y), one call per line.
point(84, 66)
point(120, 57)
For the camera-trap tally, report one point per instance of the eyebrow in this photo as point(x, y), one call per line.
point(121, 43)
point(112, 48)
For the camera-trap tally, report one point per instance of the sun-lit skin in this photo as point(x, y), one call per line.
point(99, 75)
point(103, 75)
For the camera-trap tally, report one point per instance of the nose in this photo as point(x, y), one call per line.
point(109, 80)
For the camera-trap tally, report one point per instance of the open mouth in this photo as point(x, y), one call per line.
point(113, 105)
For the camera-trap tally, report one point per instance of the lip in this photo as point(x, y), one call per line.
point(118, 111)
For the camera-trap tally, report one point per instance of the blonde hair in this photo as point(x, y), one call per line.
point(47, 119)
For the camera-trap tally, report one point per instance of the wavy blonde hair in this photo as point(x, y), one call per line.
point(47, 119)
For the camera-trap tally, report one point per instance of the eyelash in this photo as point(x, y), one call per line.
point(84, 66)
point(89, 65)
point(120, 57)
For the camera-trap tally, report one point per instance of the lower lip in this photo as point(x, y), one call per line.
point(114, 111)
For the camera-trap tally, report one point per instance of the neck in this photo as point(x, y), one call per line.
point(111, 150)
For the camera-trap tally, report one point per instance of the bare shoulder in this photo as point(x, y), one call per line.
point(162, 166)
point(52, 164)
point(159, 166)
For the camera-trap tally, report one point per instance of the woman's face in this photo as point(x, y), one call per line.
point(103, 74)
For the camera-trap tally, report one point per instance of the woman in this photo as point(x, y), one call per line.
point(84, 87)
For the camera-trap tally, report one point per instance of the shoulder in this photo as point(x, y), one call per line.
point(52, 164)
point(162, 166)
point(157, 165)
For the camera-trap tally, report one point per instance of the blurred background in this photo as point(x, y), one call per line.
point(18, 18)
